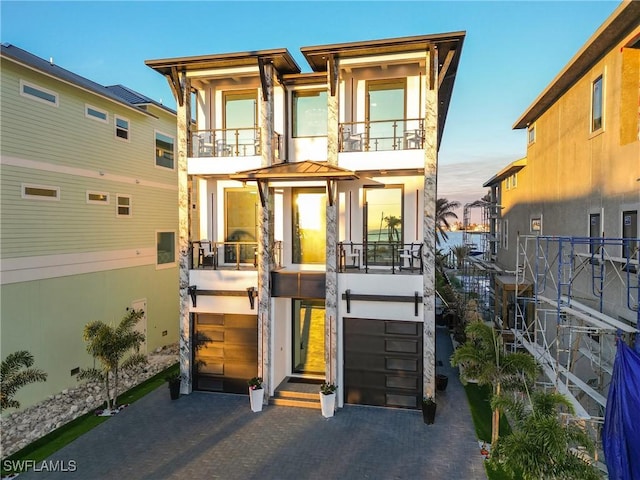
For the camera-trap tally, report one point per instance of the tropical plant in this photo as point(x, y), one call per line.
point(255, 383)
point(109, 345)
point(15, 373)
point(461, 252)
point(428, 400)
point(485, 360)
point(444, 213)
point(392, 227)
point(328, 388)
point(541, 445)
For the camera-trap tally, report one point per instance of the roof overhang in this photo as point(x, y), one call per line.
point(620, 23)
point(296, 172)
point(506, 172)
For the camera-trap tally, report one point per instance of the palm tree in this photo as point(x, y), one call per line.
point(485, 360)
point(392, 227)
point(15, 373)
point(444, 213)
point(109, 345)
point(461, 252)
point(540, 445)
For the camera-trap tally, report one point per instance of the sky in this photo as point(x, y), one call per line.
point(512, 51)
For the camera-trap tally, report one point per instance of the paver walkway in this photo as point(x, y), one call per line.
point(209, 436)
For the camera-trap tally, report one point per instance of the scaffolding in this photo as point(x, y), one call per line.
point(585, 297)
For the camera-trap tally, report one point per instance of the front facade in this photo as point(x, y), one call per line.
point(307, 215)
point(567, 224)
point(89, 217)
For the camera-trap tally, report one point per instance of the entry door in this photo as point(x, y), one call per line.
point(308, 337)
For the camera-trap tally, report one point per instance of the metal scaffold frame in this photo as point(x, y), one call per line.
point(585, 293)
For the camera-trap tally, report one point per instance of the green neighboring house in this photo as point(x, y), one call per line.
point(89, 212)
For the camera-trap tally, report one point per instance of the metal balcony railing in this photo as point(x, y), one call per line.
point(230, 255)
point(380, 257)
point(381, 135)
point(234, 142)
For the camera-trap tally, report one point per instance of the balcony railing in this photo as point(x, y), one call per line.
point(230, 255)
point(380, 257)
point(234, 142)
point(381, 135)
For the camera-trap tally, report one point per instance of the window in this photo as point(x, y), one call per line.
point(536, 225)
point(594, 232)
point(96, 114)
point(309, 225)
point(383, 216)
point(40, 192)
point(514, 180)
point(596, 104)
point(166, 248)
point(123, 208)
point(310, 113)
point(122, 128)
point(531, 134)
point(386, 112)
point(38, 93)
point(240, 123)
point(241, 223)
point(98, 198)
point(630, 231)
point(505, 234)
point(164, 150)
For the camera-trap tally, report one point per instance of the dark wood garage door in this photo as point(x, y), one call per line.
point(225, 363)
point(383, 362)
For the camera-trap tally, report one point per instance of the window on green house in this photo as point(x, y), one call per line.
point(123, 205)
point(38, 93)
point(164, 150)
point(166, 248)
point(122, 128)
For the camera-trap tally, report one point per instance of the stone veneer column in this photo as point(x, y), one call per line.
point(183, 117)
point(331, 285)
point(429, 223)
point(265, 239)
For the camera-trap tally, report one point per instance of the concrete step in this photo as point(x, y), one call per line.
point(295, 402)
point(296, 395)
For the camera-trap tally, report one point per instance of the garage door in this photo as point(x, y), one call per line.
point(383, 362)
point(230, 358)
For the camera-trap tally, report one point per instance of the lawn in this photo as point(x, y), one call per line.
point(54, 441)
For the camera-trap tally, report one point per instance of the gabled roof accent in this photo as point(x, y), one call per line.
point(306, 170)
point(507, 171)
point(22, 57)
point(619, 24)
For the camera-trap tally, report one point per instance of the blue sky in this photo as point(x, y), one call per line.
point(511, 53)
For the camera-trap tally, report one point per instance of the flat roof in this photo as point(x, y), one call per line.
point(507, 171)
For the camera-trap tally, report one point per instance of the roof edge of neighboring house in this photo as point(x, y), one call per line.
point(615, 28)
point(507, 171)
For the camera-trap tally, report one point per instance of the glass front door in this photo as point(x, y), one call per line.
point(308, 337)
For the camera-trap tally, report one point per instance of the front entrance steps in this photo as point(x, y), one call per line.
point(303, 393)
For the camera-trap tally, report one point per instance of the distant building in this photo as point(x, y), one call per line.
point(565, 218)
point(89, 214)
point(307, 216)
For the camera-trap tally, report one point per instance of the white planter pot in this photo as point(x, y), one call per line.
point(256, 397)
point(328, 404)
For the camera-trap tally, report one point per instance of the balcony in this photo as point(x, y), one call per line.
point(380, 257)
point(235, 142)
point(381, 135)
point(205, 254)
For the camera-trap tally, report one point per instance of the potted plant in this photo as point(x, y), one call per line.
point(428, 410)
point(174, 380)
point(441, 382)
point(256, 393)
point(328, 399)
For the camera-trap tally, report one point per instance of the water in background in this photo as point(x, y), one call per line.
point(454, 238)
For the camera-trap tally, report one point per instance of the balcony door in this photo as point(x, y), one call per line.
point(309, 225)
point(386, 101)
point(383, 223)
point(240, 123)
point(308, 337)
point(241, 224)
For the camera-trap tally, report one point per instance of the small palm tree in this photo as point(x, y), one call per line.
point(109, 345)
point(461, 252)
point(540, 445)
point(392, 227)
point(15, 373)
point(485, 360)
point(444, 213)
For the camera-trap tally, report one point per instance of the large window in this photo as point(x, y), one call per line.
point(630, 233)
point(164, 150)
point(309, 225)
point(166, 248)
point(240, 122)
point(310, 113)
point(386, 114)
point(383, 227)
point(241, 224)
point(596, 104)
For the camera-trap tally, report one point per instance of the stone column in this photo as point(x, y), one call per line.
point(183, 118)
point(429, 221)
point(331, 285)
point(265, 238)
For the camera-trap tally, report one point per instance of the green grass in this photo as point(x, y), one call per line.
point(54, 441)
point(479, 398)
